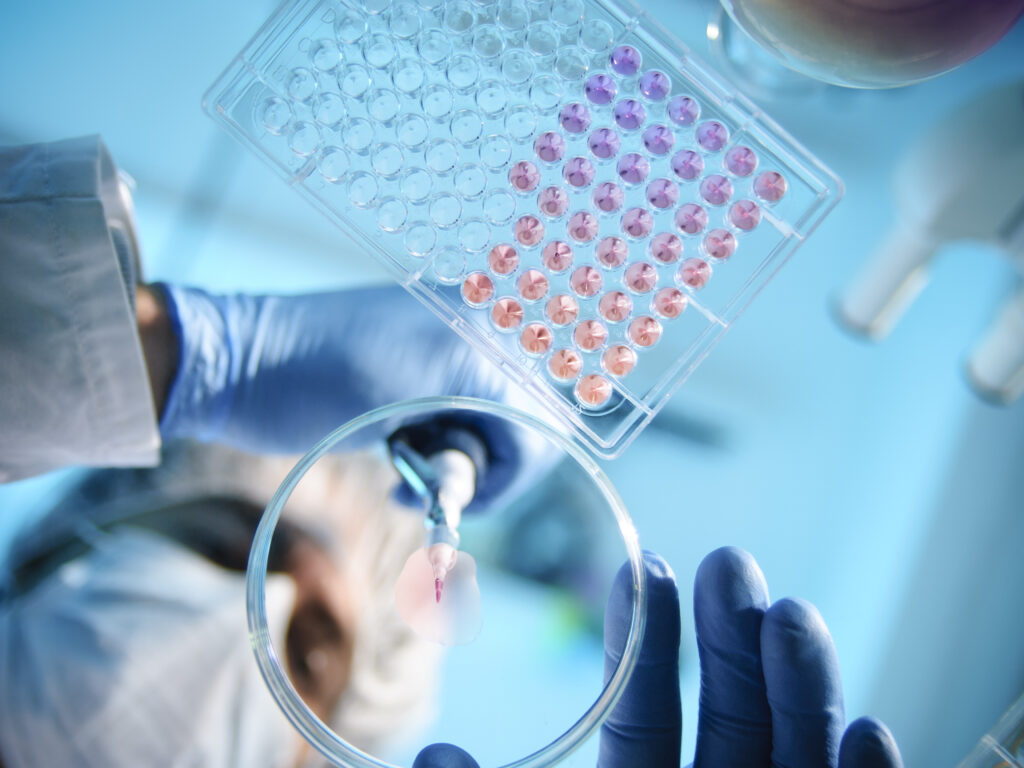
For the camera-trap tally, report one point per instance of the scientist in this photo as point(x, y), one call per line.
point(88, 364)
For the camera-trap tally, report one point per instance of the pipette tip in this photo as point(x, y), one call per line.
point(438, 586)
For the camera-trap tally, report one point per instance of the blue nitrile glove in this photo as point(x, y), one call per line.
point(275, 374)
point(770, 689)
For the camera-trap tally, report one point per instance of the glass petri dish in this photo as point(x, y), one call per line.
point(600, 514)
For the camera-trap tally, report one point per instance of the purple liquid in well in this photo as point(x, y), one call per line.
point(608, 197)
point(640, 277)
point(583, 226)
point(683, 110)
point(666, 247)
point(662, 193)
point(637, 222)
point(655, 85)
point(626, 60)
point(716, 189)
point(687, 164)
point(549, 146)
point(770, 186)
point(600, 89)
point(691, 218)
point(579, 172)
point(553, 201)
point(694, 273)
point(557, 256)
point(741, 161)
point(745, 215)
point(720, 243)
point(612, 252)
point(575, 117)
point(658, 139)
point(604, 143)
point(633, 168)
point(630, 114)
point(712, 135)
point(529, 230)
point(524, 176)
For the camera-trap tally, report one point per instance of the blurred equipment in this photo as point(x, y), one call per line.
point(1003, 746)
point(962, 181)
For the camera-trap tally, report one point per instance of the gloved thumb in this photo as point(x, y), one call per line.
point(444, 756)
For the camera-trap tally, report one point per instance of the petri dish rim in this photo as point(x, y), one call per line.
point(314, 730)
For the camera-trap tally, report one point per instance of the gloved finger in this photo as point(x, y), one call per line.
point(867, 743)
point(801, 672)
point(730, 597)
point(646, 725)
point(444, 756)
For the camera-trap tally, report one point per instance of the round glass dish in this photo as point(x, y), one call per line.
point(601, 532)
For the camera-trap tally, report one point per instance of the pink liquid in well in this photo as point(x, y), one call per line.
point(583, 226)
point(604, 143)
point(626, 60)
point(741, 161)
point(452, 620)
point(524, 176)
point(565, 364)
point(578, 172)
point(593, 389)
point(640, 277)
point(687, 164)
point(529, 230)
point(716, 189)
point(658, 139)
point(575, 117)
point(557, 256)
point(712, 135)
point(633, 168)
point(770, 186)
point(691, 218)
point(655, 85)
point(507, 313)
point(503, 259)
point(586, 281)
point(590, 335)
point(619, 360)
point(562, 309)
point(637, 222)
point(629, 114)
point(608, 197)
point(645, 331)
point(666, 247)
point(683, 110)
point(612, 252)
point(745, 215)
point(615, 306)
point(600, 89)
point(536, 338)
point(694, 273)
point(549, 146)
point(720, 243)
point(532, 285)
point(662, 193)
point(553, 201)
point(670, 302)
point(477, 288)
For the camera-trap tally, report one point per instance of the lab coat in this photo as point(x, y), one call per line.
point(73, 382)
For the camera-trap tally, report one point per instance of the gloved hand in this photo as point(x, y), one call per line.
point(770, 688)
point(275, 374)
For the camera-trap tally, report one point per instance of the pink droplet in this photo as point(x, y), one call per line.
point(770, 186)
point(687, 164)
point(532, 285)
point(549, 146)
point(712, 135)
point(626, 60)
point(477, 288)
point(694, 273)
point(720, 243)
point(608, 196)
point(593, 389)
point(658, 139)
point(691, 218)
point(562, 309)
point(615, 306)
point(586, 281)
point(529, 230)
point(507, 313)
point(670, 302)
point(590, 335)
point(503, 259)
point(716, 189)
point(612, 252)
point(553, 201)
point(604, 143)
point(557, 256)
point(565, 364)
point(575, 117)
point(579, 172)
point(683, 110)
point(745, 215)
point(637, 222)
point(645, 331)
point(619, 360)
point(633, 168)
point(666, 247)
point(662, 193)
point(741, 161)
point(524, 176)
point(655, 85)
point(629, 114)
point(536, 338)
point(600, 89)
point(583, 226)
point(640, 277)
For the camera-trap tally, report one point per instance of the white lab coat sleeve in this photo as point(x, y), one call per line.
point(73, 382)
